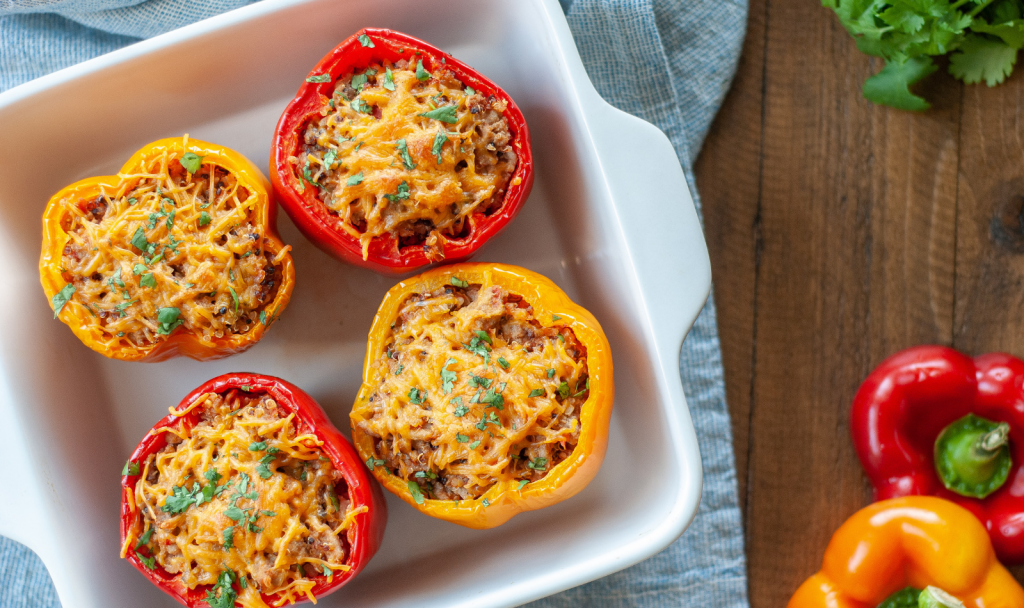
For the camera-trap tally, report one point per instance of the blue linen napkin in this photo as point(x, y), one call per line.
point(669, 62)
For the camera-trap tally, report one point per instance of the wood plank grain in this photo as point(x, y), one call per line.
point(729, 180)
point(857, 220)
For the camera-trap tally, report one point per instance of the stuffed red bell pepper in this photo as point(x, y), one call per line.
point(931, 420)
point(394, 155)
point(247, 495)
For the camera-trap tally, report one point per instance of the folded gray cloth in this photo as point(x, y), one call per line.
point(669, 62)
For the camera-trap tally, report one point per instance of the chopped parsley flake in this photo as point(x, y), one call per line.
point(139, 239)
point(563, 389)
point(484, 336)
point(361, 106)
point(319, 78)
point(461, 438)
point(389, 80)
point(436, 149)
point(537, 392)
point(355, 179)
point(149, 562)
point(522, 482)
point(257, 446)
point(144, 539)
point(130, 468)
point(502, 361)
point(168, 319)
point(204, 219)
point(365, 41)
point(374, 462)
point(551, 372)
point(402, 194)
point(461, 411)
point(470, 91)
point(457, 282)
point(223, 595)
point(474, 445)
point(475, 380)
point(538, 464)
point(358, 82)
point(148, 280)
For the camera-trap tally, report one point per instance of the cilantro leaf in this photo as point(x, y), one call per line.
point(319, 78)
point(448, 378)
point(563, 389)
point(461, 438)
point(234, 513)
point(982, 59)
point(417, 493)
point(180, 499)
point(191, 161)
point(229, 537)
point(355, 179)
point(416, 396)
point(474, 445)
point(130, 468)
point(421, 74)
point(403, 193)
point(503, 362)
point(446, 114)
point(149, 562)
point(438, 146)
point(144, 539)
point(264, 466)
point(522, 482)
point(61, 298)
point(234, 296)
point(329, 157)
point(204, 219)
point(403, 151)
point(364, 40)
point(223, 595)
point(1010, 31)
point(538, 464)
point(461, 411)
point(168, 319)
point(537, 392)
point(891, 86)
point(148, 280)
point(257, 446)
point(139, 239)
point(361, 106)
point(475, 380)
point(359, 81)
point(484, 336)
point(389, 80)
point(457, 282)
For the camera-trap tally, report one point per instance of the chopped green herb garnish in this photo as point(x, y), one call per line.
point(139, 269)
point(361, 106)
point(389, 80)
point(319, 78)
point(461, 438)
point(522, 482)
point(358, 82)
point(374, 462)
point(329, 158)
point(212, 476)
point(399, 370)
point(461, 411)
point(263, 468)
point(234, 513)
point(149, 562)
point(494, 399)
point(130, 468)
point(257, 446)
point(421, 74)
point(448, 378)
point(474, 445)
point(229, 537)
point(475, 380)
point(563, 389)
point(538, 464)
point(168, 319)
point(355, 179)
point(446, 114)
point(436, 149)
point(537, 392)
point(551, 372)
point(484, 336)
point(139, 239)
point(148, 280)
point(416, 396)
point(234, 296)
point(555, 317)
point(223, 595)
point(204, 219)
point(457, 282)
point(403, 193)
point(417, 494)
point(486, 503)
point(144, 539)
point(403, 151)
point(365, 41)
point(502, 361)
point(191, 161)
point(470, 91)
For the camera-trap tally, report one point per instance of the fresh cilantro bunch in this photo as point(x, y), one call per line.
point(982, 35)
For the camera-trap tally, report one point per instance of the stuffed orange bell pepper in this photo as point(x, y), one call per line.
point(486, 392)
point(888, 552)
point(177, 254)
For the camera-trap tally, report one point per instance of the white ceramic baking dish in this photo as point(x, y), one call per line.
point(610, 220)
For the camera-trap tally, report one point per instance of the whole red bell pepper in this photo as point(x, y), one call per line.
point(931, 420)
point(365, 533)
point(304, 205)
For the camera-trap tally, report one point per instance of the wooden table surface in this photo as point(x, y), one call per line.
point(841, 232)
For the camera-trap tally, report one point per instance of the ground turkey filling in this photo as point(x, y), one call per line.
point(242, 494)
point(507, 405)
point(134, 260)
point(406, 152)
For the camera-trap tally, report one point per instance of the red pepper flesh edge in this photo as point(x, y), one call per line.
point(312, 216)
point(906, 402)
point(365, 533)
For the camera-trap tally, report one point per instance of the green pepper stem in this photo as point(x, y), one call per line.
point(988, 445)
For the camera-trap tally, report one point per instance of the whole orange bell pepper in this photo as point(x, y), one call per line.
point(507, 496)
point(146, 274)
point(916, 541)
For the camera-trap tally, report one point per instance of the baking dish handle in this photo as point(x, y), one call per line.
point(658, 221)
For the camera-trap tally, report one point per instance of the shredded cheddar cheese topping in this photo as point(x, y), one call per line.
point(402, 151)
point(473, 390)
point(242, 497)
point(168, 248)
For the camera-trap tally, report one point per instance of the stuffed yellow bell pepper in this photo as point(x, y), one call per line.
point(177, 254)
point(910, 552)
point(486, 392)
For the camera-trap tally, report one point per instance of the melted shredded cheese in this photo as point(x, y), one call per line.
point(243, 492)
point(168, 248)
point(384, 167)
point(472, 393)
